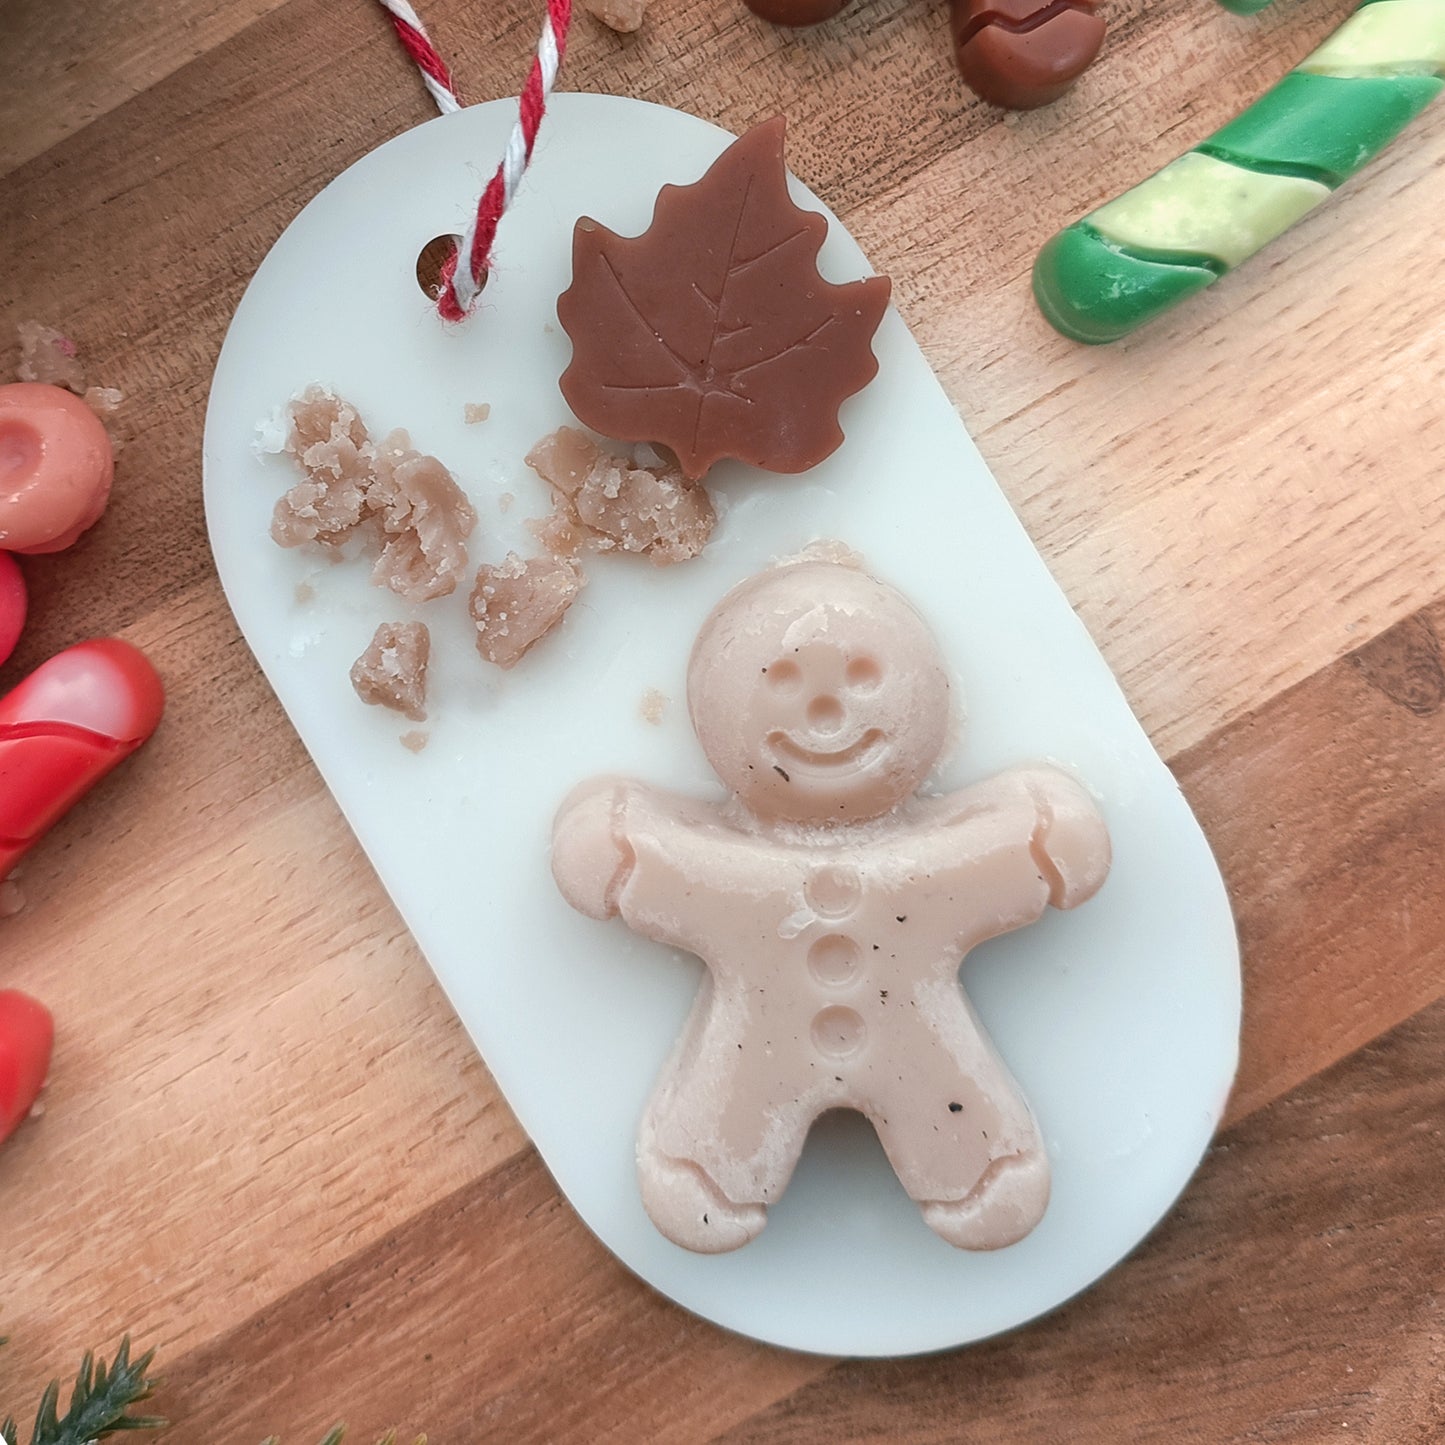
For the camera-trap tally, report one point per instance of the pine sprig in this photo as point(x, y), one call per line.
point(99, 1401)
point(8, 1433)
point(101, 1398)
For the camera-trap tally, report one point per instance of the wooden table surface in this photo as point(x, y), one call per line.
point(267, 1146)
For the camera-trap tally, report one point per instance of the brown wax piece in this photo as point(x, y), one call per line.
point(392, 670)
point(328, 440)
point(1022, 54)
point(795, 12)
point(517, 603)
point(712, 333)
point(405, 505)
point(604, 503)
point(425, 521)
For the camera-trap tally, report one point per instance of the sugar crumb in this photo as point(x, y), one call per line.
point(415, 740)
point(474, 412)
point(653, 705)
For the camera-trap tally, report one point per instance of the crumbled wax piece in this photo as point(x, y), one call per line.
point(425, 521)
point(329, 442)
point(473, 412)
point(404, 503)
point(504, 502)
point(517, 603)
point(415, 740)
point(653, 705)
point(831, 906)
point(624, 16)
point(560, 532)
point(47, 355)
point(603, 503)
point(713, 332)
point(392, 670)
point(305, 593)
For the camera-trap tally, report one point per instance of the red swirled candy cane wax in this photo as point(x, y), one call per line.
point(64, 728)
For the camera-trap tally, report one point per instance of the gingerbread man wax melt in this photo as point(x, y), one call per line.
point(832, 906)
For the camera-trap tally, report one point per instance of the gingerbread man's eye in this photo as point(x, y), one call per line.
point(785, 675)
point(863, 674)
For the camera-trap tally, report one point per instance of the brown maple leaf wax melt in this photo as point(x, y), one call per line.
point(713, 333)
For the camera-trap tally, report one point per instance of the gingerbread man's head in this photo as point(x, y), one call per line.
point(818, 694)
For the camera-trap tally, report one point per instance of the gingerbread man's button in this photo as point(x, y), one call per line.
point(834, 960)
point(834, 891)
point(839, 1033)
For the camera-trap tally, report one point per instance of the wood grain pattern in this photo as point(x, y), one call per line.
point(268, 1147)
point(1330, 1326)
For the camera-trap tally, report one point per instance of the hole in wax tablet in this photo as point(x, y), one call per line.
point(433, 257)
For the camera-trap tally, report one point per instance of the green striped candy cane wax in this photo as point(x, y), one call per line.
point(1204, 213)
point(1245, 7)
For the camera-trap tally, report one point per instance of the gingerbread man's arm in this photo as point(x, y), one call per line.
point(660, 861)
point(1069, 843)
point(1018, 843)
point(591, 858)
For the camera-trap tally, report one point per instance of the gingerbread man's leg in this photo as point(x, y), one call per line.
point(712, 1150)
point(957, 1130)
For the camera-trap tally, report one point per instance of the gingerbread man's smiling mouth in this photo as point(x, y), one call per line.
point(860, 751)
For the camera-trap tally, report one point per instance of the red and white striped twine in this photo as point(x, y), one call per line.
point(417, 44)
point(462, 284)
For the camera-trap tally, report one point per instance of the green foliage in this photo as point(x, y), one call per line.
point(101, 1399)
point(100, 1402)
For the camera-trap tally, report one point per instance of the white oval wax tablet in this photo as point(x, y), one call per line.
point(1119, 1021)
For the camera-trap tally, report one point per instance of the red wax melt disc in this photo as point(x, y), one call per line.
point(56, 465)
point(27, 1035)
point(12, 604)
